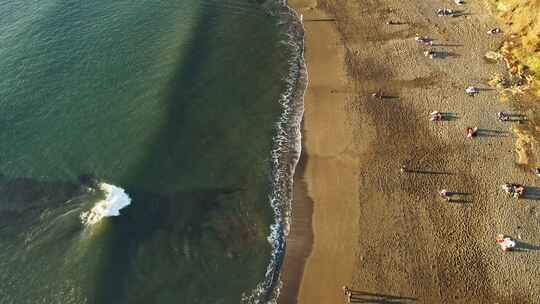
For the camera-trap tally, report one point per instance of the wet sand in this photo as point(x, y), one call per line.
point(383, 232)
point(328, 166)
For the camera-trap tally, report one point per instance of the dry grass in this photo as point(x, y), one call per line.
point(522, 49)
point(521, 52)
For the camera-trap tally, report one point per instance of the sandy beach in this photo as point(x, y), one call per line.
point(387, 234)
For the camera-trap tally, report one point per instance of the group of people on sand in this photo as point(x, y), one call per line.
point(436, 116)
point(515, 190)
point(507, 243)
point(470, 132)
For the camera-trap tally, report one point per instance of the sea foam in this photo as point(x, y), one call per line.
point(115, 200)
point(285, 155)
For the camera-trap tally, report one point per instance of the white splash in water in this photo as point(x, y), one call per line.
point(115, 200)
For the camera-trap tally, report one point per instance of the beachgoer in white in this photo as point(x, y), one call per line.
point(502, 116)
point(377, 94)
point(507, 243)
point(445, 194)
point(423, 39)
point(436, 116)
point(494, 31)
point(471, 91)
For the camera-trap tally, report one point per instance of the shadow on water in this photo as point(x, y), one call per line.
point(176, 243)
point(198, 245)
point(40, 234)
point(137, 258)
point(26, 205)
point(27, 198)
point(154, 217)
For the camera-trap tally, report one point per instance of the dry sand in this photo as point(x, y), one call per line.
point(380, 231)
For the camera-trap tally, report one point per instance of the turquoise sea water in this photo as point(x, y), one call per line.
point(176, 102)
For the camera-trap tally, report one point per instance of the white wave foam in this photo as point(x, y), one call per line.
point(284, 156)
point(115, 200)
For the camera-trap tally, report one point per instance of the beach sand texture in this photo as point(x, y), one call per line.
point(378, 230)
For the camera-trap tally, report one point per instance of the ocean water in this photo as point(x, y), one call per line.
point(146, 149)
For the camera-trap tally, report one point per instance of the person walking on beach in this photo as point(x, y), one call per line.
point(348, 293)
point(349, 296)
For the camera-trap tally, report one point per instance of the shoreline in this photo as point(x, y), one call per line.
point(323, 148)
point(300, 238)
point(285, 156)
point(386, 233)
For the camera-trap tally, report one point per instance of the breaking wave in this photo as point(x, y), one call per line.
point(115, 200)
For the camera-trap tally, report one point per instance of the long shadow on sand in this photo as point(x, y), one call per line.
point(514, 117)
point(460, 13)
point(429, 172)
point(368, 297)
point(446, 45)
point(444, 54)
point(492, 133)
point(449, 116)
point(461, 198)
point(531, 193)
point(525, 247)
